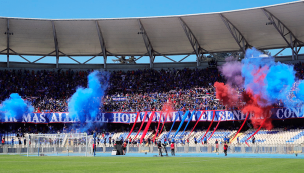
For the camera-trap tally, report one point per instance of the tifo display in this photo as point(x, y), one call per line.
point(201, 114)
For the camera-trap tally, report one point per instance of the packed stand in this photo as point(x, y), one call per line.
point(140, 89)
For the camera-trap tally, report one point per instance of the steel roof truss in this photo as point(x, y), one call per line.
point(184, 58)
point(237, 35)
point(20, 55)
point(42, 57)
point(7, 43)
point(199, 51)
point(292, 41)
point(102, 45)
point(279, 52)
point(138, 58)
point(70, 57)
point(148, 44)
point(92, 58)
point(164, 56)
point(299, 50)
point(56, 44)
point(3, 50)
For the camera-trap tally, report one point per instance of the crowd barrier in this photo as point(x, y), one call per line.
point(83, 150)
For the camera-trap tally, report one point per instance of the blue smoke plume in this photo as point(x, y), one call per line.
point(300, 91)
point(251, 69)
point(85, 102)
point(15, 107)
point(277, 79)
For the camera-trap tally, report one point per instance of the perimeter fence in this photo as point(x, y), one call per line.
point(81, 149)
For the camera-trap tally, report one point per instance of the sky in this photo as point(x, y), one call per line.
point(88, 9)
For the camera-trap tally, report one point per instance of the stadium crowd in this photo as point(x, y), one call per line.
point(139, 89)
point(128, 91)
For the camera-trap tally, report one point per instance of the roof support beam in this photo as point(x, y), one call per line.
point(237, 35)
point(291, 41)
point(299, 49)
point(20, 55)
point(92, 58)
point(279, 52)
point(138, 58)
point(165, 56)
point(199, 51)
point(56, 44)
point(3, 50)
point(42, 57)
point(102, 45)
point(7, 43)
point(169, 58)
point(141, 57)
point(148, 44)
point(184, 58)
point(70, 57)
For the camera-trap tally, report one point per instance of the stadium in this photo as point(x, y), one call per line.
point(186, 93)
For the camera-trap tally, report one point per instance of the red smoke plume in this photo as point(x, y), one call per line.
point(167, 110)
point(229, 97)
point(226, 94)
point(260, 113)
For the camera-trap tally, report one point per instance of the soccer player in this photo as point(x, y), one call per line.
point(216, 146)
point(172, 149)
point(124, 148)
point(225, 148)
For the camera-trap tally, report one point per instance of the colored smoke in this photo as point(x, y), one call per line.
point(85, 102)
point(226, 94)
point(167, 112)
point(168, 109)
point(232, 71)
point(260, 112)
point(265, 81)
point(15, 107)
point(279, 81)
point(300, 91)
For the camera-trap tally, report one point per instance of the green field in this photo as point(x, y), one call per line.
point(147, 164)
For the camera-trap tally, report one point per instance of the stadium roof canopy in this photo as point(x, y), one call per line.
point(270, 27)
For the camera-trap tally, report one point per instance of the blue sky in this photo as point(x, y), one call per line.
point(64, 9)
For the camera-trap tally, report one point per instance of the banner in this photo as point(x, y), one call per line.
point(126, 117)
point(119, 99)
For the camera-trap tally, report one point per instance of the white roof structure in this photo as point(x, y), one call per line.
point(277, 26)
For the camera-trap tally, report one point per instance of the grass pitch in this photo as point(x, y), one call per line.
point(10, 163)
